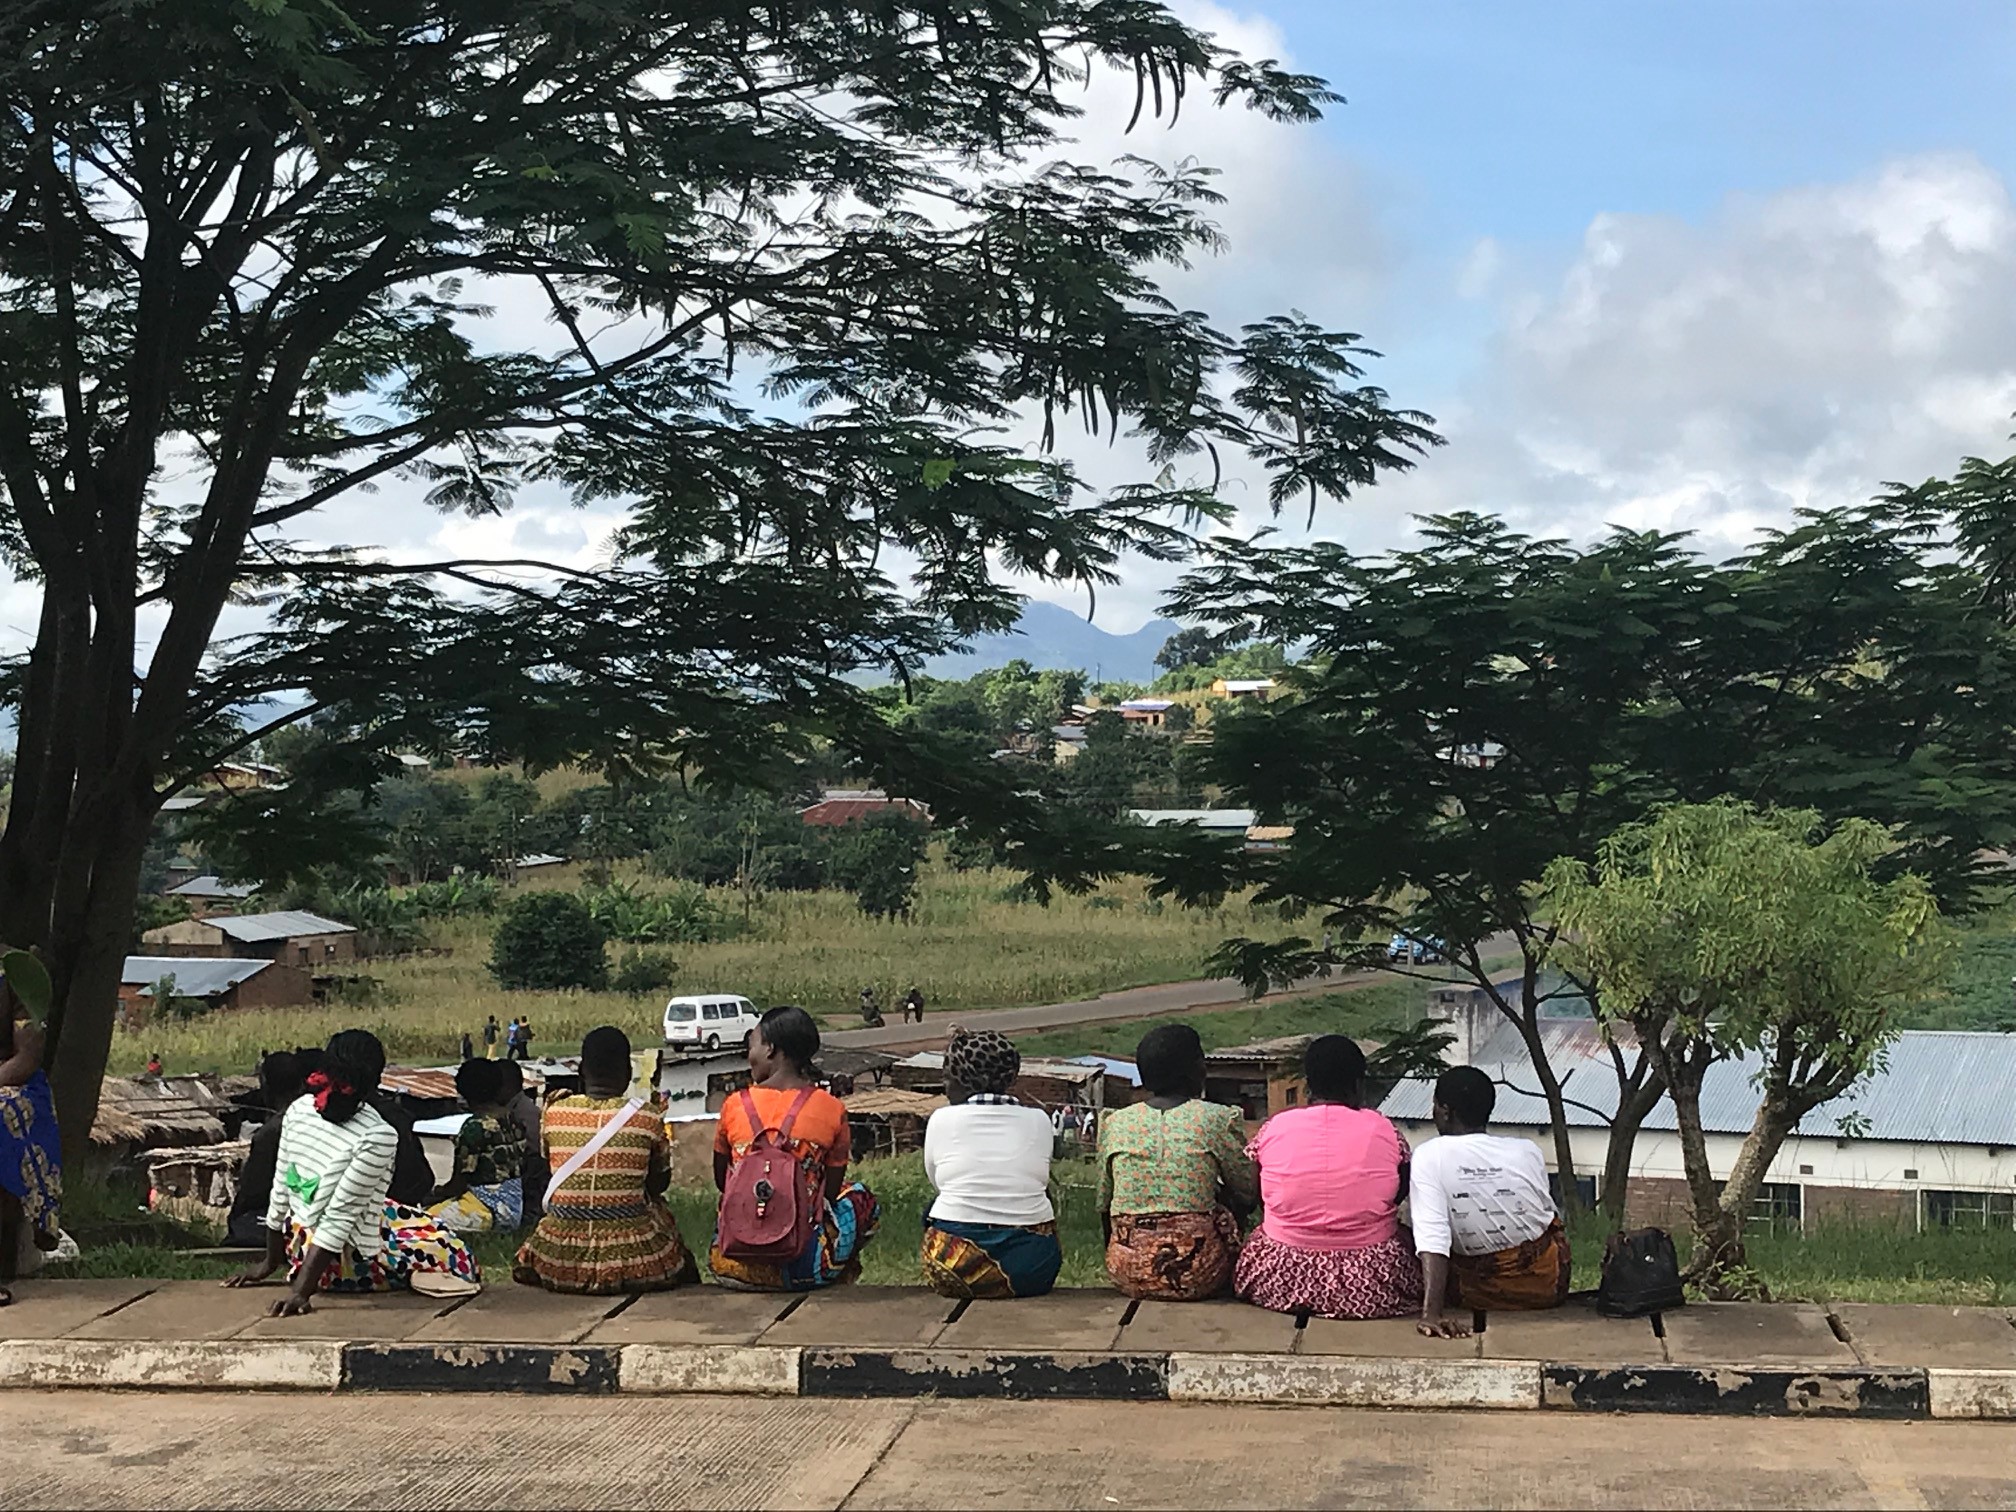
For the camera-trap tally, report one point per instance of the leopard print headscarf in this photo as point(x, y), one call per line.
point(982, 1060)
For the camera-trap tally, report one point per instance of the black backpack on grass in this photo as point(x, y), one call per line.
point(1641, 1275)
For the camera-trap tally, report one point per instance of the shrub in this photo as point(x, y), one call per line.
point(549, 940)
point(641, 973)
point(680, 914)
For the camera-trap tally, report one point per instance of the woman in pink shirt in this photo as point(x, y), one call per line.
point(1331, 1177)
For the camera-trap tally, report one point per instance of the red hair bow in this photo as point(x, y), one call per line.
point(322, 1084)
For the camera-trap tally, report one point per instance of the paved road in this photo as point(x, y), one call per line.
point(441, 1453)
point(1133, 1003)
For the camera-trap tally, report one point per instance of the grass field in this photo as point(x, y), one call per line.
point(968, 946)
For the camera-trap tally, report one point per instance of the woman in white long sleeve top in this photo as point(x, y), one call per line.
point(991, 1231)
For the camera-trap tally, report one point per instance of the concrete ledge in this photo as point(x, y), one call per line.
point(973, 1373)
point(571, 1368)
point(1730, 1390)
point(729, 1369)
point(210, 1364)
point(1354, 1381)
point(1972, 1393)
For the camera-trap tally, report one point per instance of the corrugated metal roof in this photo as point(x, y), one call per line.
point(213, 886)
point(1119, 1070)
point(1211, 819)
point(195, 976)
point(433, 1086)
point(1936, 1086)
point(281, 925)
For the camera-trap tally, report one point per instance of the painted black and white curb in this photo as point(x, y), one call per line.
point(669, 1369)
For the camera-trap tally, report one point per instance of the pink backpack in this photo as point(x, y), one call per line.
point(766, 1213)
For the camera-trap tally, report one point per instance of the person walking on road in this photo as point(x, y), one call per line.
point(490, 1037)
point(871, 1011)
point(913, 1005)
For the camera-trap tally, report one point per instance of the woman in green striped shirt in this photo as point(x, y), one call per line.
point(328, 1217)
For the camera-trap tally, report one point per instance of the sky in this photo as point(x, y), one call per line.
point(1688, 266)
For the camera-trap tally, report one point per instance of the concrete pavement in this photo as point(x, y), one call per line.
point(442, 1453)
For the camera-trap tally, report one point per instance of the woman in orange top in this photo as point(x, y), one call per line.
point(781, 1050)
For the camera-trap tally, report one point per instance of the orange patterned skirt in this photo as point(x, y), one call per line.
point(1173, 1257)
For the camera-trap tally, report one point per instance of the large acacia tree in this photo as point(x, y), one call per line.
point(798, 264)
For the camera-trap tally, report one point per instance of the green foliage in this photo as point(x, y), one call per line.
point(1476, 707)
point(675, 914)
point(642, 973)
point(549, 940)
point(1716, 930)
point(877, 860)
point(27, 985)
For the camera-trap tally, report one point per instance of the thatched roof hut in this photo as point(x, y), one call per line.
point(172, 1110)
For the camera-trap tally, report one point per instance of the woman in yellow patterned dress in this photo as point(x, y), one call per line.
point(606, 1229)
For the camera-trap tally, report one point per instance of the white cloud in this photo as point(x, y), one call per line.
point(1797, 350)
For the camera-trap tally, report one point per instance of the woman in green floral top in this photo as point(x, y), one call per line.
point(485, 1192)
point(1174, 1177)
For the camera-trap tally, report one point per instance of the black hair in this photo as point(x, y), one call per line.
point(792, 1034)
point(353, 1062)
point(480, 1082)
point(1168, 1058)
point(1468, 1095)
point(1334, 1067)
point(280, 1079)
point(605, 1055)
point(510, 1078)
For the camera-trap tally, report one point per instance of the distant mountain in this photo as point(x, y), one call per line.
point(1050, 636)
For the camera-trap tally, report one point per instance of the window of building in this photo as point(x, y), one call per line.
point(1778, 1204)
point(1291, 1095)
point(1967, 1209)
point(1585, 1189)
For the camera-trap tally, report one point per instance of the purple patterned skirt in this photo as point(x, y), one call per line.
point(1379, 1281)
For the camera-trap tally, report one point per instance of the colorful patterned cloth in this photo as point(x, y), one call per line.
point(1185, 1159)
point(833, 1258)
point(410, 1242)
point(991, 1261)
point(483, 1209)
point(1173, 1257)
point(489, 1151)
point(1379, 1281)
point(1528, 1277)
point(31, 1155)
point(603, 1233)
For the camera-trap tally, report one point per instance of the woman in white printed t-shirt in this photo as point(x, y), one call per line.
point(328, 1217)
point(990, 1232)
point(1485, 1224)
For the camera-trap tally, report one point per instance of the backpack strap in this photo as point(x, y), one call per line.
point(797, 1106)
point(757, 1128)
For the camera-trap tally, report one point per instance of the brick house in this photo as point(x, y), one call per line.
point(292, 937)
point(221, 981)
point(841, 806)
point(1927, 1140)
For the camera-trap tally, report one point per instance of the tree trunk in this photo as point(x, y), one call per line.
point(1632, 1110)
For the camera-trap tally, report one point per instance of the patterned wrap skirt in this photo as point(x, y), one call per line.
point(990, 1262)
point(1528, 1277)
point(1173, 1257)
point(1378, 1281)
point(607, 1250)
point(833, 1258)
point(31, 1156)
point(410, 1242)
